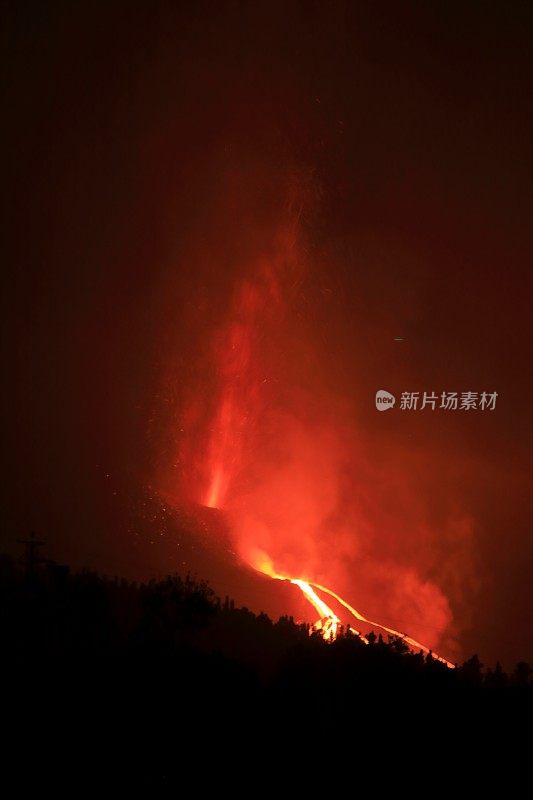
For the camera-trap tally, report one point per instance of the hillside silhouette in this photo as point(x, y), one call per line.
point(135, 667)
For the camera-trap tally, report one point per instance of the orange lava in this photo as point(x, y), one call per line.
point(329, 622)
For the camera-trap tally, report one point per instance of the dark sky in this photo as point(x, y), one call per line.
point(412, 123)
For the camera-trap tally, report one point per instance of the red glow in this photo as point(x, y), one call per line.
point(329, 622)
point(283, 459)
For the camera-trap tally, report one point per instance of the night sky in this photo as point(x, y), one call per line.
point(148, 148)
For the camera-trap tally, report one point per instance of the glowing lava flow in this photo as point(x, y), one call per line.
point(329, 622)
point(408, 639)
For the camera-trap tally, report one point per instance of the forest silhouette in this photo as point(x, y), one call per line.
point(114, 673)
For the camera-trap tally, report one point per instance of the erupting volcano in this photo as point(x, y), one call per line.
point(268, 446)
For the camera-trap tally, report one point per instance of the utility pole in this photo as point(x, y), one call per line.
point(31, 556)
